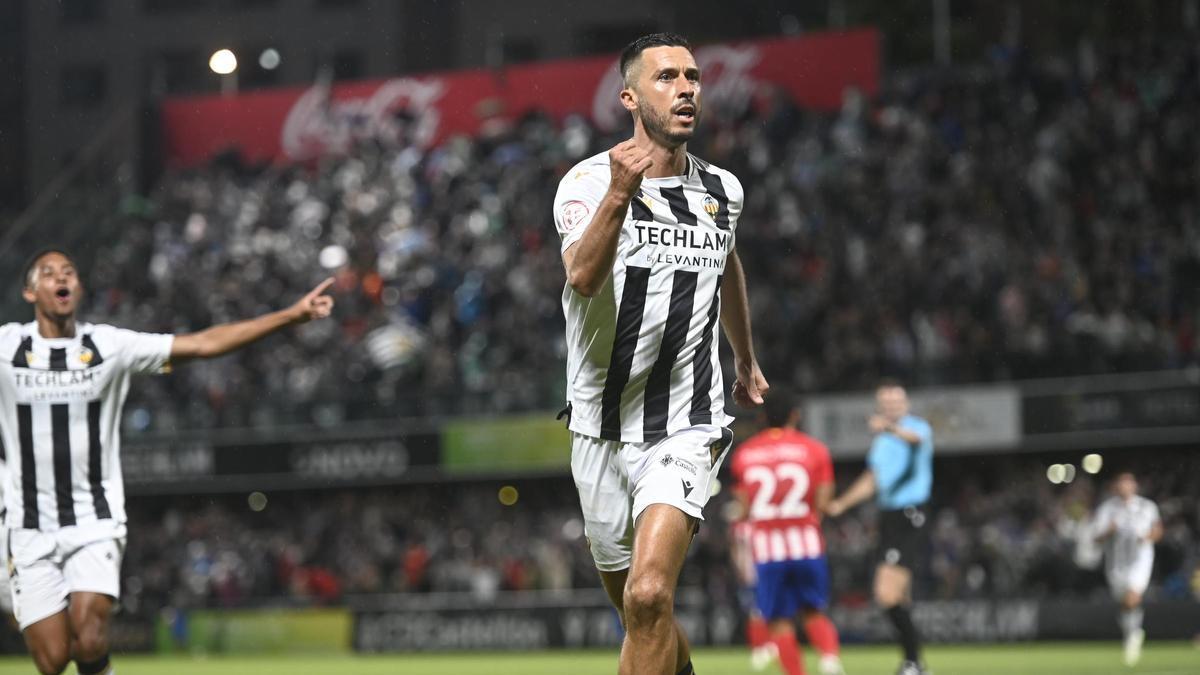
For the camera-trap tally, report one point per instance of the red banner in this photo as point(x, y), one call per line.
point(296, 124)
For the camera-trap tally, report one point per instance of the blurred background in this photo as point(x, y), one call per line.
point(997, 202)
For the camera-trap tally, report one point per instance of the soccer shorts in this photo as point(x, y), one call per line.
point(617, 481)
point(48, 566)
point(903, 537)
point(787, 586)
point(1135, 577)
point(5, 592)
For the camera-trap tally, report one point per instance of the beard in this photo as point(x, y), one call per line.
point(658, 126)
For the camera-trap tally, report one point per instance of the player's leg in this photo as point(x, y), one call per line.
point(652, 646)
point(93, 576)
point(614, 586)
point(49, 643)
point(778, 601)
point(822, 634)
point(90, 616)
point(39, 595)
point(892, 593)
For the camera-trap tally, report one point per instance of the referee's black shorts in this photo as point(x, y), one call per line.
point(903, 537)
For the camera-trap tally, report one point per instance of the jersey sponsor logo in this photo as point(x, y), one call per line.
point(57, 386)
point(574, 214)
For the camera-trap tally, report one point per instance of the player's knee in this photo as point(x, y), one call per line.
point(91, 639)
point(51, 660)
point(647, 601)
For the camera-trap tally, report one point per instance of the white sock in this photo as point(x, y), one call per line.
point(1131, 621)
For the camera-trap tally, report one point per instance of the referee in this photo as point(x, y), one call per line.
point(900, 475)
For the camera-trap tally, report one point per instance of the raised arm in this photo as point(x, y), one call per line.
point(751, 386)
point(228, 337)
point(589, 261)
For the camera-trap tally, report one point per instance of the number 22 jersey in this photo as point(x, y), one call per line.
point(779, 471)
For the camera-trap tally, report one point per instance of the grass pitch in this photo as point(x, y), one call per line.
point(1174, 658)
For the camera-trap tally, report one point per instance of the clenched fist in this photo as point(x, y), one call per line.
point(628, 164)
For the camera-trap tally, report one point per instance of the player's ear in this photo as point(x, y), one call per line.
point(629, 99)
point(28, 294)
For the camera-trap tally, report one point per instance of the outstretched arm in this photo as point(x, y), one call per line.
point(860, 491)
point(751, 386)
point(228, 337)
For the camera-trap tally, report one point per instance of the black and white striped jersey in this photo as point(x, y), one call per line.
point(642, 357)
point(60, 416)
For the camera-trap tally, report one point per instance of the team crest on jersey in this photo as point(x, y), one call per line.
point(711, 206)
point(29, 356)
point(645, 200)
point(86, 355)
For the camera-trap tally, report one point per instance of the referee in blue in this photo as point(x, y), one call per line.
point(899, 475)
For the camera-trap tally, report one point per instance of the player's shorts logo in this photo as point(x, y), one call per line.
point(666, 460)
point(687, 488)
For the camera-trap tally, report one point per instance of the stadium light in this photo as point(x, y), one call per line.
point(269, 59)
point(223, 62)
point(1056, 473)
point(1092, 463)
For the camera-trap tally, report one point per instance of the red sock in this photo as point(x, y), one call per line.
point(789, 653)
point(822, 634)
point(756, 632)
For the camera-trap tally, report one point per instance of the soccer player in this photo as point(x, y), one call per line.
point(900, 475)
point(1128, 525)
point(784, 478)
point(62, 386)
point(648, 245)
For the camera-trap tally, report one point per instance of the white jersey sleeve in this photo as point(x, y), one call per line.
point(143, 352)
point(1103, 519)
point(579, 195)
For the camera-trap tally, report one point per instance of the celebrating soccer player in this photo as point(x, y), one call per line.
point(900, 474)
point(62, 386)
point(648, 244)
point(1128, 525)
point(784, 478)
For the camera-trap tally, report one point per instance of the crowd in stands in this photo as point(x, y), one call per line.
point(1016, 219)
point(999, 528)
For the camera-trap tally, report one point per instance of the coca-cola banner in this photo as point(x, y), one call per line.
point(296, 124)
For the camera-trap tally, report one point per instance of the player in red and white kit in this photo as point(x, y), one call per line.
point(784, 479)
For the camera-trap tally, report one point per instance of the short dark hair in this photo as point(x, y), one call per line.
point(778, 407)
point(888, 383)
point(32, 262)
point(634, 49)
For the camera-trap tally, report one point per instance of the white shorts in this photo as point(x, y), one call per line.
point(1135, 577)
point(5, 592)
point(617, 481)
point(48, 566)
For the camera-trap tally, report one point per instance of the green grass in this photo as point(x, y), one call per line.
point(1175, 658)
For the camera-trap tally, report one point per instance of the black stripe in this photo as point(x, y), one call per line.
point(910, 470)
point(639, 208)
point(679, 205)
point(702, 370)
point(28, 466)
point(20, 360)
point(60, 426)
point(58, 358)
point(95, 469)
point(625, 339)
point(658, 386)
point(716, 188)
point(89, 345)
